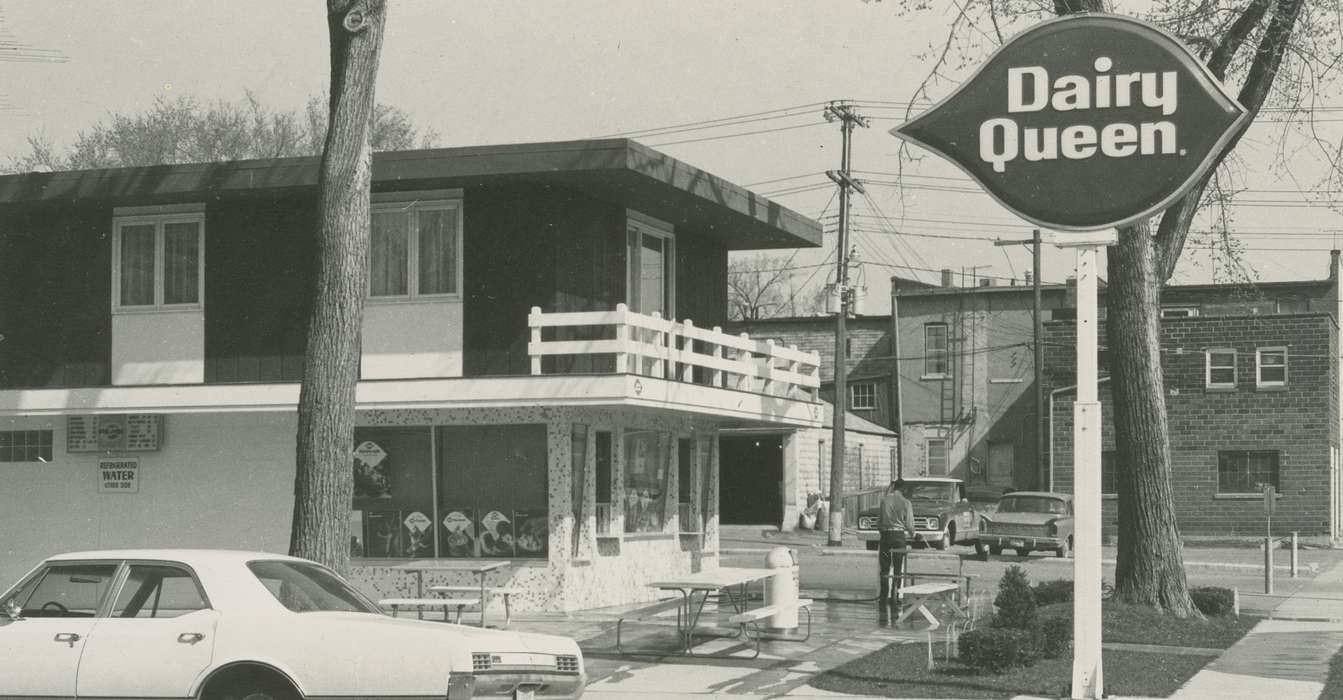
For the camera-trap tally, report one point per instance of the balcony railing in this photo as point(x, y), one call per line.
point(678, 351)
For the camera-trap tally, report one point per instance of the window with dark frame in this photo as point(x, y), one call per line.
point(1220, 368)
point(1271, 367)
point(935, 450)
point(863, 396)
point(25, 445)
point(1246, 471)
point(935, 356)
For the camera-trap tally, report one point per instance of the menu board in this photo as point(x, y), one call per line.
point(128, 433)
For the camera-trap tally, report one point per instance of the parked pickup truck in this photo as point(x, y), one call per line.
point(942, 514)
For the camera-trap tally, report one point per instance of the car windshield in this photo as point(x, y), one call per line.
point(938, 491)
point(304, 587)
point(1032, 504)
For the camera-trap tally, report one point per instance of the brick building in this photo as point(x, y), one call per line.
point(966, 373)
point(1252, 396)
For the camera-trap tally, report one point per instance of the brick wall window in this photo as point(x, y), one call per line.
point(935, 362)
point(863, 397)
point(25, 445)
point(1179, 311)
point(1221, 368)
point(1270, 367)
point(1246, 471)
point(1109, 479)
point(935, 452)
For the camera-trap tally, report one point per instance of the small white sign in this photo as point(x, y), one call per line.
point(370, 453)
point(119, 475)
point(418, 522)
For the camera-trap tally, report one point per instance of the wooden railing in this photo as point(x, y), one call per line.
point(655, 347)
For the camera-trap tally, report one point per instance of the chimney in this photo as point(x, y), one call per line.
point(948, 278)
point(1333, 265)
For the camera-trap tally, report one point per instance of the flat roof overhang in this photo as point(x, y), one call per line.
point(621, 171)
point(740, 408)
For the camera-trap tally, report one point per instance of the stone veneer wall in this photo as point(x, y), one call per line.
point(582, 570)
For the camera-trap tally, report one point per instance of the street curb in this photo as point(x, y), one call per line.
point(1312, 568)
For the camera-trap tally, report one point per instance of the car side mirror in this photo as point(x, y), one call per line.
point(12, 610)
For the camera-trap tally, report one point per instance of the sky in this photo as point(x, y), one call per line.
point(509, 71)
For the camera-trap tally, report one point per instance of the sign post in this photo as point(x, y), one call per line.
point(1084, 124)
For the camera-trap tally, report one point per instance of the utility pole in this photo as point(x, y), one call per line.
point(847, 118)
point(898, 415)
point(1037, 337)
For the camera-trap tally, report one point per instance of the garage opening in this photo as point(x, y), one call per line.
point(751, 479)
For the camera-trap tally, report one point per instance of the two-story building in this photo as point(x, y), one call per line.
point(541, 377)
point(1252, 399)
point(966, 376)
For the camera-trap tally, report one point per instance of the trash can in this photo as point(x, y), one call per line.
point(782, 587)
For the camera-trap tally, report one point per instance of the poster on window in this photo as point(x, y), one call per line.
point(533, 529)
point(382, 534)
point(459, 533)
point(418, 535)
point(372, 470)
point(496, 535)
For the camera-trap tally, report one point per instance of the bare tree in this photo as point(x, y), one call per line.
point(756, 287)
point(1279, 52)
point(324, 482)
point(186, 130)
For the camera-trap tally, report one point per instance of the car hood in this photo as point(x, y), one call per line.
point(476, 638)
point(921, 508)
point(1025, 518)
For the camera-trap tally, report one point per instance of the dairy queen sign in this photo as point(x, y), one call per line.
point(1084, 122)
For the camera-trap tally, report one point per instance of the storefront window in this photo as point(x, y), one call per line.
point(490, 482)
point(393, 509)
point(645, 480)
point(492, 491)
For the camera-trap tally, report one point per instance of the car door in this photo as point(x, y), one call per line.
point(41, 649)
point(156, 640)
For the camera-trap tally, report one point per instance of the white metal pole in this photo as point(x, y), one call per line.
point(1088, 680)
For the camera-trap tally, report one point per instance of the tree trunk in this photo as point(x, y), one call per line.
point(324, 480)
point(1149, 569)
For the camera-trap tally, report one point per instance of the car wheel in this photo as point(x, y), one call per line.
point(873, 545)
point(1065, 549)
point(251, 685)
point(995, 550)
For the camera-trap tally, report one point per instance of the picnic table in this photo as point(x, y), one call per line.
point(735, 582)
point(419, 568)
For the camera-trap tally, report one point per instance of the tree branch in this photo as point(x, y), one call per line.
point(1174, 226)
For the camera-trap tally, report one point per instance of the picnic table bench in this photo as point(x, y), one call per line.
point(432, 603)
point(750, 621)
point(487, 591)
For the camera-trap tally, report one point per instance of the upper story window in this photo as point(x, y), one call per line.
point(935, 350)
point(1221, 368)
point(863, 397)
point(651, 260)
point(1270, 366)
point(415, 245)
point(158, 259)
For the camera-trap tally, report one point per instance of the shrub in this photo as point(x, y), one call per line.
point(1050, 592)
point(1055, 636)
point(998, 649)
point(1213, 601)
point(1015, 602)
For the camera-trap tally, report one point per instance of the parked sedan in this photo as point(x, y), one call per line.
point(222, 625)
point(1030, 520)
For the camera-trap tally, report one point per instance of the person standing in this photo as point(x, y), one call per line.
point(897, 522)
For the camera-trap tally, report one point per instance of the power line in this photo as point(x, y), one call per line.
point(744, 133)
point(706, 123)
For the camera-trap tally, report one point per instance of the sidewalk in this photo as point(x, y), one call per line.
point(1285, 657)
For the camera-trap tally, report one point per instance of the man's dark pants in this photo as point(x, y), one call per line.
point(889, 553)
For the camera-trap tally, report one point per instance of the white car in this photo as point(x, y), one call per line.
point(221, 625)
